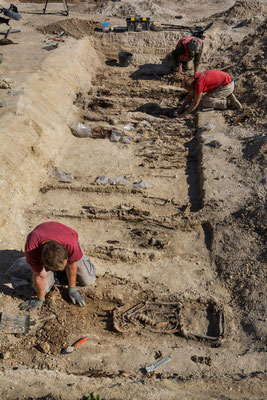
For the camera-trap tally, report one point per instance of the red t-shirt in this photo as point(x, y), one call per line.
point(51, 231)
point(209, 80)
point(184, 43)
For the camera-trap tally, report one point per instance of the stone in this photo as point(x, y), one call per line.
point(4, 355)
point(44, 347)
point(7, 83)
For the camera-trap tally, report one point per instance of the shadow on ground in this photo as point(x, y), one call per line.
point(155, 110)
point(7, 258)
point(152, 71)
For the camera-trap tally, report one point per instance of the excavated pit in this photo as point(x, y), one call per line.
point(171, 238)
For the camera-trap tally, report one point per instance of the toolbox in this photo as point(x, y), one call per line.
point(135, 23)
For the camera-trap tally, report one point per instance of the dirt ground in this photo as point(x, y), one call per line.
point(170, 221)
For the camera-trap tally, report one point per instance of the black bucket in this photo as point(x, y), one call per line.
point(124, 58)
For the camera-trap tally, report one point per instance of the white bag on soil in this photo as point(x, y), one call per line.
point(80, 130)
point(115, 135)
point(61, 176)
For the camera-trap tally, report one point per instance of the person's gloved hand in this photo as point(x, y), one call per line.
point(30, 305)
point(76, 297)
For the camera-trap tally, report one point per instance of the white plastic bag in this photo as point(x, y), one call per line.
point(81, 130)
point(61, 176)
point(115, 135)
point(128, 127)
point(140, 184)
point(126, 140)
point(208, 127)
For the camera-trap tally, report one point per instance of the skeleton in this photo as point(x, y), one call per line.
point(164, 318)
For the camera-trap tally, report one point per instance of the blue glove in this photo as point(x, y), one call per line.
point(76, 297)
point(30, 305)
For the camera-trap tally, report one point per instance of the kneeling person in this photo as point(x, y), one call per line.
point(52, 247)
point(217, 87)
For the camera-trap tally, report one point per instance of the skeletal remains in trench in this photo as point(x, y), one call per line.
point(195, 319)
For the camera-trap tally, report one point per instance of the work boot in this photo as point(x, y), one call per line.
point(232, 101)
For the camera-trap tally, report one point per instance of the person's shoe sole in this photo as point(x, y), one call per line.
point(234, 102)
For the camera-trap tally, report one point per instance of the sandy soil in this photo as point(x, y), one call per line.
point(194, 236)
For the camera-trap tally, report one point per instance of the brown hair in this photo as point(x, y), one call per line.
point(187, 83)
point(54, 255)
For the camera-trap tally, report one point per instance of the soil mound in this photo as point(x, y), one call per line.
point(243, 10)
point(75, 27)
point(122, 9)
point(126, 9)
point(250, 62)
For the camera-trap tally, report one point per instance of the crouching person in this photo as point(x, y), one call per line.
point(214, 88)
point(53, 247)
point(188, 48)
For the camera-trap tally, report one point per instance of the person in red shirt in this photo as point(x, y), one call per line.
point(53, 247)
point(187, 49)
point(218, 87)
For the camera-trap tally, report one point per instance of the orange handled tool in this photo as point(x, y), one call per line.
point(70, 349)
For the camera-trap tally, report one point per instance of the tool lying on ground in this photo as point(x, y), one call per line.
point(58, 38)
point(197, 31)
point(171, 27)
point(10, 31)
point(153, 367)
point(70, 349)
point(10, 323)
point(5, 40)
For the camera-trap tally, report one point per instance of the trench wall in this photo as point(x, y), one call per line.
point(35, 132)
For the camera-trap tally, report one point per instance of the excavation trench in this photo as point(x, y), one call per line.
point(158, 243)
point(142, 236)
point(121, 224)
point(148, 243)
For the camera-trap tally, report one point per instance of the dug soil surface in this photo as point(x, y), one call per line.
point(172, 214)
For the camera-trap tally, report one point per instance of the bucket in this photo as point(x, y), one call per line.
point(105, 26)
point(124, 58)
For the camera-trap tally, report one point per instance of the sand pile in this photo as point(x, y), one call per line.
point(77, 28)
point(244, 11)
point(125, 9)
point(251, 68)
